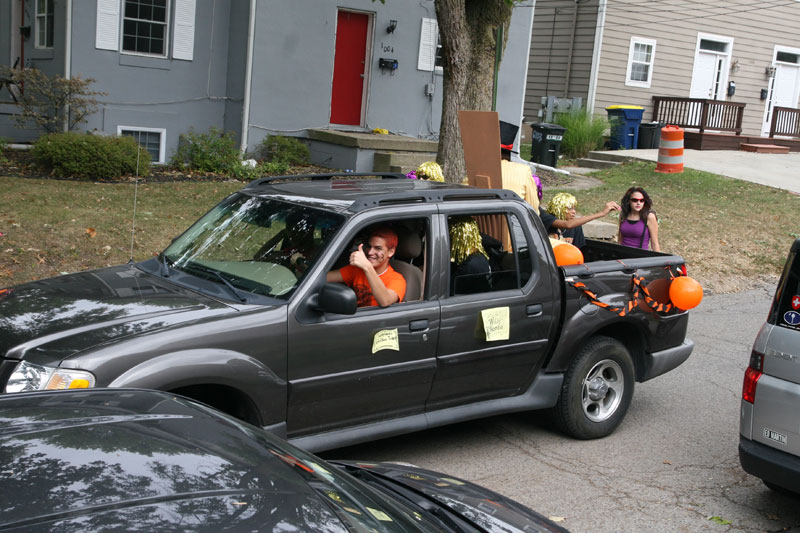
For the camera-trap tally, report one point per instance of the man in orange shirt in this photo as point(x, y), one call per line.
point(369, 274)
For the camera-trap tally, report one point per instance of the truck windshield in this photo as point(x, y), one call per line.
point(254, 245)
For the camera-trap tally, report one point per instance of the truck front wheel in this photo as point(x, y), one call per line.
point(597, 390)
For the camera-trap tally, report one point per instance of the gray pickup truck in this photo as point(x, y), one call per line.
point(237, 316)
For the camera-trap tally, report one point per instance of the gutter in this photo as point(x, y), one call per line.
point(598, 42)
point(67, 57)
point(571, 47)
point(248, 77)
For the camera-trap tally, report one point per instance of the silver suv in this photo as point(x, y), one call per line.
point(769, 430)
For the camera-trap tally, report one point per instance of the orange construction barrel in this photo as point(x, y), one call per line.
point(670, 151)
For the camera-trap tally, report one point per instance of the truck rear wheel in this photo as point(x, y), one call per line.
point(597, 390)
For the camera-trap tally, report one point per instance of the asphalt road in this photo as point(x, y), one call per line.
point(671, 466)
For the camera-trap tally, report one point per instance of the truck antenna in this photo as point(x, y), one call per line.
point(135, 197)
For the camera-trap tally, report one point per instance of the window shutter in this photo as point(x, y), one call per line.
point(107, 31)
point(427, 44)
point(183, 47)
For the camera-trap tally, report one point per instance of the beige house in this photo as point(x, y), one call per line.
point(744, 56)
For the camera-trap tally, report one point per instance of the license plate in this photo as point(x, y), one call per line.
point(774, 435)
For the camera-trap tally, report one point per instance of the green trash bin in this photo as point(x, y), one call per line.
point(650, 134)
point(546, 143)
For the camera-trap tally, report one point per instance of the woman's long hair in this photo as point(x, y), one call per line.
point(625, 204)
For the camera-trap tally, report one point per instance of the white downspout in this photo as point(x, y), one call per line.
point(67, 57)
point(248, 76)
point(598, 43)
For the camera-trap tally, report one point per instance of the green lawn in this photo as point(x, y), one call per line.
point(729, 231)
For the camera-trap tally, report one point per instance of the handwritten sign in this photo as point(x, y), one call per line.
point(385, 339)
point(380, 515)
point(496, 323)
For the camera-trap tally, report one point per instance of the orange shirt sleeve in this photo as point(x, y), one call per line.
point(349, 273)
point(397, 283)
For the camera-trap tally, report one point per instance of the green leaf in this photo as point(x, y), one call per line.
point(719, 520)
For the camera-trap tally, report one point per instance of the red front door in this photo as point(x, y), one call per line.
point(349, 68)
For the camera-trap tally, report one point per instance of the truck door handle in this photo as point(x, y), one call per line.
point(533, 309)
point(418, 325)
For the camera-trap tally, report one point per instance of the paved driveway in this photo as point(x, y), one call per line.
point(776, 170)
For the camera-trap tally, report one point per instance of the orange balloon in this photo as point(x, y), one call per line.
point(659, 291)
point(685, 292)
point(568, 254)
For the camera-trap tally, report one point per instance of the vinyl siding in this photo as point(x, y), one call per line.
point(755, 28)
point(549, 54)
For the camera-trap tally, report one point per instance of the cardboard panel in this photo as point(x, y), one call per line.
point(480, 136)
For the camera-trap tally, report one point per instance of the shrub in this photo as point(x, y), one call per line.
point(280, 149)
point(82, 155)
point(3, 148)
point(45, 98)
point(246, 172)
point(585, 132)
point(213, 151)
point(275, 167)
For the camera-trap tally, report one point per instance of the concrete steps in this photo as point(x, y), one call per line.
point(586, 162)
point(598, 159)
point(764, 148)
point(400, 161)
point(618, 156)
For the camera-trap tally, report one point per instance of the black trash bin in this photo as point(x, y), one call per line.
point(546, 143)
point(650, 134)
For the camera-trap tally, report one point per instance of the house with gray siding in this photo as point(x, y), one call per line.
point(743, 54)
point(254, 67)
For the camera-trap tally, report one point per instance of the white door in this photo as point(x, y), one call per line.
point(708, 79)
point(783, 91)
point(705, 76)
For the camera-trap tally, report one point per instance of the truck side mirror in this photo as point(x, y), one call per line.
point(336, 298)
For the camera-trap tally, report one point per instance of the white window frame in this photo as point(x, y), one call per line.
point(46, 18)
point(428, 47)
point(167, 24)
point(647, 42)
point(162, 148)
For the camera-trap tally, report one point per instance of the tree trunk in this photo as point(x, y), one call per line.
point(468, 30)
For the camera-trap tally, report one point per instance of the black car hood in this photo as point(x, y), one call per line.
point(48, 320)
point(124, 460)
point(482, 507)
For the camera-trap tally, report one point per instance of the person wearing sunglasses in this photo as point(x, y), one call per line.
point(638, 225)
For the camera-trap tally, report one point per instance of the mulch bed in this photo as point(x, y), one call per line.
point(20, 163)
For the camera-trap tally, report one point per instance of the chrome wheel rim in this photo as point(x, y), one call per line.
point(601, 390)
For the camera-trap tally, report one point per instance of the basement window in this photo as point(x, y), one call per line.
point(151, 139)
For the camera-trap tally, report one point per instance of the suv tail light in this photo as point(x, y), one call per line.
point(752, 375)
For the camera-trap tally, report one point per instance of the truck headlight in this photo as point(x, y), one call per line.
point(30, 377)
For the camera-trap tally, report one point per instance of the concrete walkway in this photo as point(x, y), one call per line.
point(781, 171)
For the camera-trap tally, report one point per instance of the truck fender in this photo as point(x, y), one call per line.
point(591, 320)
point(227, 368)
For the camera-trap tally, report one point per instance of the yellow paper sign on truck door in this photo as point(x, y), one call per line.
point(386, 339)
point(496, 323)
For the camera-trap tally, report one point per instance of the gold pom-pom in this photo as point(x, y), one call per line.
point(560, 204)
point(465, 239)
point(430, 170)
